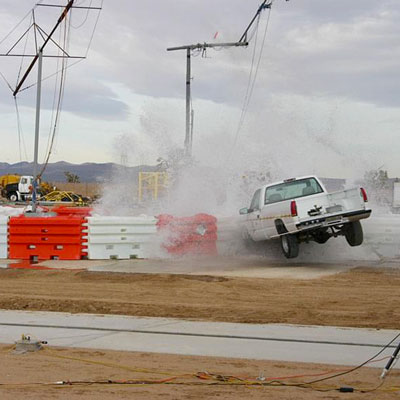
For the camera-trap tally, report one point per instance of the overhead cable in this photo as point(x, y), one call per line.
point(251, 82)
point(76, 62)
point(19, 23)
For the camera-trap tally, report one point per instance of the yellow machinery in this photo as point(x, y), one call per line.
point(58, 196)
point(46, 188)
point(7, 179)
point(152, 185)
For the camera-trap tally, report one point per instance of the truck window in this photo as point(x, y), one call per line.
point(24, 180)
point(292, 190)
point(255, 202)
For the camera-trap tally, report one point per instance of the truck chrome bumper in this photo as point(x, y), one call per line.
point(333, 220)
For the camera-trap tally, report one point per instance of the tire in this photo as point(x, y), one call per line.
point(354, 233)
point(290, 246)
point(13, 196)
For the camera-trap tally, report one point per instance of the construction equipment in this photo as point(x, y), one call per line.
point(19, 188)
point(8, 179)
point(46, 188)
point(63, 196)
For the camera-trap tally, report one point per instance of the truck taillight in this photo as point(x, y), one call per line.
point(364, 195)
point(293, 208)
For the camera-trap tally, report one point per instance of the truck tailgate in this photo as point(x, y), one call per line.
point(330, 204)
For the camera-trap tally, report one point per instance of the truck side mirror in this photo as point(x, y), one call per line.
point(243, 211)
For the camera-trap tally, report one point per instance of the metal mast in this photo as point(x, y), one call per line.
point(35, 182)
point(60, 19)
point(38, 57)
point(203, 46)
point(189, 48)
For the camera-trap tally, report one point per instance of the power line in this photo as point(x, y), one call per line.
point(80, 58)
point(19, 23)
point(38, 58)
point(24, 50)
point(54, 128)
point(85, 19)
point(21, 141)
point(54, 98)
point(200, 47)
point(251, 81)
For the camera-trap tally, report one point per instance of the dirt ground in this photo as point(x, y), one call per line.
point(362, 297)
point(153, 376)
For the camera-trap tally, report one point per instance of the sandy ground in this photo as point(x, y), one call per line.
point(362, 297)
point(252, 266)
point(239, 266)
point(153, 376)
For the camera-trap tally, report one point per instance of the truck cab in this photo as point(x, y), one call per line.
point(19, 191)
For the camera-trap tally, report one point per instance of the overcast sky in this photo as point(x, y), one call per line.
point(326, 99)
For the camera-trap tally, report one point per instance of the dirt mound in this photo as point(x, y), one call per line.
point(362, 297)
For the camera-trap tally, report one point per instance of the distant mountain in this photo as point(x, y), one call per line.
point(87, 172)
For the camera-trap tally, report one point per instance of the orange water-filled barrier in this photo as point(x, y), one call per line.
point(45, 238)
point(189, 235)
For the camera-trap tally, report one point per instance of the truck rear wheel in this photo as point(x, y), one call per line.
point(290, 246)
point(354, 233)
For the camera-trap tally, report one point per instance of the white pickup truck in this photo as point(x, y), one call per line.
point(301, 210)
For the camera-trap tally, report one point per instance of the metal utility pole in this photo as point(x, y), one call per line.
point(203, 46)
point(189, 49)
point(35, 182)
point(188, 141)
point(39, 58)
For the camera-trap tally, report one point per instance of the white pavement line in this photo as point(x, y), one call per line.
point(330, 345)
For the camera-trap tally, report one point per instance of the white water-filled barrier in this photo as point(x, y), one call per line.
point(121, 237)
point(3, 237)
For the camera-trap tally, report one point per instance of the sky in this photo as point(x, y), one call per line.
point(326, 98)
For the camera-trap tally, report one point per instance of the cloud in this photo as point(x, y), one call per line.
point(331, 54)
point(312, 47)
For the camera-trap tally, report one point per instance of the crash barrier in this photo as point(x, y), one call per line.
point(72, 236)
point(73, 211)
point(3, 237)
point(45, 238)
point(188, 235)
point(382, 235)
point(120, 237)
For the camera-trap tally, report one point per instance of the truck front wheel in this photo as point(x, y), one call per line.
point(13, 196)
point(290, 246)
point(354, 233)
